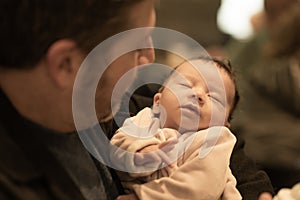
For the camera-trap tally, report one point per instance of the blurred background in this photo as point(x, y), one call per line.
point(262, 40)
point(210, 22)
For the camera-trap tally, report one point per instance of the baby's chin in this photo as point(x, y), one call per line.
point(188, 129)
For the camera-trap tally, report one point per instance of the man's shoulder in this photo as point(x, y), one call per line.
point(143, 97)
point(16, 171)
point(13, 160)
point(139, 102)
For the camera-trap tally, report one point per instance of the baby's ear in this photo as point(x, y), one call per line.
point(156, 98)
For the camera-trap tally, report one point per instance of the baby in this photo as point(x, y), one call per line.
point(180, 149)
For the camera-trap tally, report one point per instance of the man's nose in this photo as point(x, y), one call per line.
point(147, 54)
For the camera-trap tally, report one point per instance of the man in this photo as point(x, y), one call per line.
point(45, 43)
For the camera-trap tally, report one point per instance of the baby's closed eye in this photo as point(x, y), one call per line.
point(215, 97)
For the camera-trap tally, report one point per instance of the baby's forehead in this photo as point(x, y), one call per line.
point(198, 68)
point(196, 64)
point(200, 71)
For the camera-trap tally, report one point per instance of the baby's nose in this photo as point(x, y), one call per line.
point(200, 94)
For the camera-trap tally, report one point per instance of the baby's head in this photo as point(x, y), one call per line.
point(198, 94)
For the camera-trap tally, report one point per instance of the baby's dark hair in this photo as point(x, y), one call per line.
point(222, 64)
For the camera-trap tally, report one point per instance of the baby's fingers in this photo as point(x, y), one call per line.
point(164, 158)
point(168, 145)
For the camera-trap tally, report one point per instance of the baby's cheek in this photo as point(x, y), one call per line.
point(218, 114)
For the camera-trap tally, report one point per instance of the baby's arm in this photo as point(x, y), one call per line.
point(230, 191)
point(137, 154)
point(155, 153)
point(196, 178)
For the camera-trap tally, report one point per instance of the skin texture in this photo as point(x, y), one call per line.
point(192, 88)
point(265, 196)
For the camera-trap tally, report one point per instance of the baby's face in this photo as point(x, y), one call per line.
point(192, 102)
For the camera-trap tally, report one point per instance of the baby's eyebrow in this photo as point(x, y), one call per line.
point(190, 78)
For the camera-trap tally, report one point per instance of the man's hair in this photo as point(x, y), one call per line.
point(223, 64)
point(29, 27)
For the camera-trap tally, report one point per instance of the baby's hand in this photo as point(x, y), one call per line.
point(168, 145)
point(127, 197)
point(155, 153)
point(149, 148)
point(265, 196)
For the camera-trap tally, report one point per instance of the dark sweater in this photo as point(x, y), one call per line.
point(37, 163)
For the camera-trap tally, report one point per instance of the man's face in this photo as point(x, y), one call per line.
point(186, 98)
point(142, 14)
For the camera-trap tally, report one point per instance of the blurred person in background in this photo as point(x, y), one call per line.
point(268, 116)
point(247, 53)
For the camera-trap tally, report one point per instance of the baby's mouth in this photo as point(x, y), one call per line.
point(192, 108)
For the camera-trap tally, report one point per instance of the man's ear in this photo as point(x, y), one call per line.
point(63, 60)
point(156, 98)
